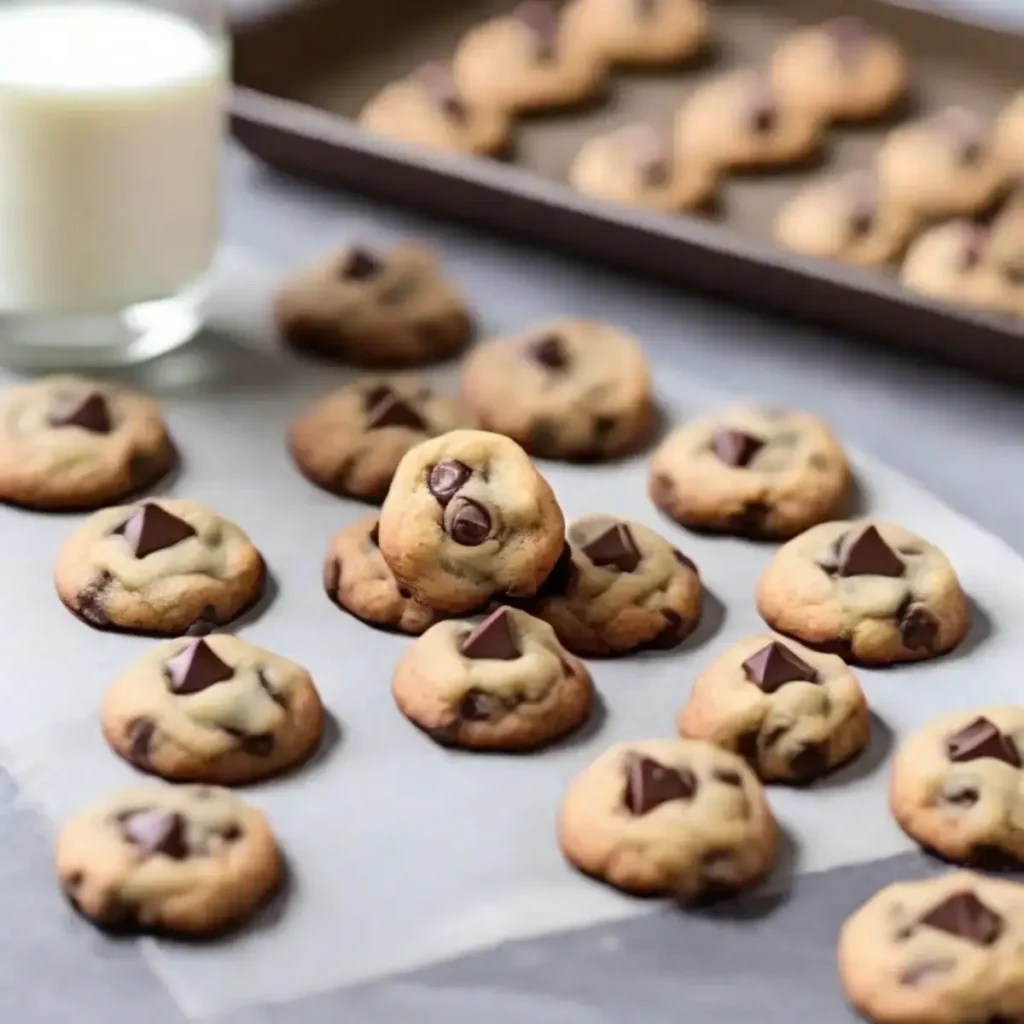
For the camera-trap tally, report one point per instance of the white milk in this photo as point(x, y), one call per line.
point(110, 123)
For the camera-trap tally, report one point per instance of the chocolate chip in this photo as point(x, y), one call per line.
point(982, 738)
point(549, 351)
point(205, 624)
point(918, 627)
point(924, 971)
point(196, 668)
point(751, 519)
point(541, 19)
point(747, 744)
point(685, 562)
point(762, 109)
point(727, 777)
point(440, 87)
point(157, 831)
point(393, 412)
point(966, 917)
point(673, 633)
point(861, 215)
point(614, 547)
point(773, 736)
point(258, 746)
point(809, 762)
point(477, 706)
point(650, 784)
point(964, 796)
point(150, 529)
point(87, 411)
point(662, 491)
point(603, 427)
point(231, 834)
point(404, 593)
point(467, 522)
point(775, 665)
point(495, 638)
point(90, 602)
point(273, 694)
point(446, 478)
point(735, 447)
point(561, 577)
point(374, 535)
point(359, 264)
point(867, 554)
point(140, 739)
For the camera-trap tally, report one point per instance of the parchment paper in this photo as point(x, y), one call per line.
point(403, 853)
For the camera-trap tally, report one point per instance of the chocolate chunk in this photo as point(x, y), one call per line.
point(140, 739)
point(157, 831)
point(359, 264)
point(467, 522)
point(736, 448)
point(440, 87)
point(374, 535)
point(650, 784)
point(924, 971)
point(541, 19)
point(685, 562)
point(862, 211)
point(561, 577)
point(549, 351)
point(727, 777)
point(603, 426)
point(918, 627)
point(650, 155)
point(91, 597)
point(867, 554)
point(494, 639)
point(393, 412)
point(982, 738)
point(775, 665)
point(477, 706)
point(966, 917)
point(675, 630)
point(205, 624)
point(196, 668)
point(89, 412)
point(961, 796)
point(446, 478)
point(614, 547)
point(809, 762)
point(150, 529)
point(376, 395)
point(258, 746)
point(762, 109)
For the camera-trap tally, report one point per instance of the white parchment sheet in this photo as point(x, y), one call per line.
point(401, 852)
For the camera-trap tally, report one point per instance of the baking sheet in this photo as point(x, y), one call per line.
point(404, 853)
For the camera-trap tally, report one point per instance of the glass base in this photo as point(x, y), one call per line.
point(34, 341)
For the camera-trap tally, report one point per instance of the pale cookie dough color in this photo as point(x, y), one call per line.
point(164, 566)
point(841, 69)
point(469, 518)
point(351, 441)
point(676, 818)
point(635, 165)
point(529, 59)
point(957, 787)
point(939, 951)
point(215, 710)
point(621, 587)
point(187, 860)
point(1009, 133)
point(568, 389)
point(740, 120)
point(794, 714)
point(871, 592)
point(506, 684)
point(845, 218)
point(374, 309)
point(427, 109)
point(71, 443)
point(357, 579)
point(756, 472)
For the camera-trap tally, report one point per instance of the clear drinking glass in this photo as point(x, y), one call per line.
point(111, 119)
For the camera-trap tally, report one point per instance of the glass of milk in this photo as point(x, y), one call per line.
point(111, 118)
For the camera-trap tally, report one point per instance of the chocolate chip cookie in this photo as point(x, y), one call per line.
point(190, 860)
point(620, 587)
point(505, 684)
point(642, 32)
point(756, 472)
point(568, 389)
point(468, 518)
point(71, 443)
point(370, 308)
point(216, 710)
point(794, 714)
point(427, 109)
point(351, 441)
point(357, 578)
point(676, 818)
point(166, 566)
point(868, 591)
point(942, 951)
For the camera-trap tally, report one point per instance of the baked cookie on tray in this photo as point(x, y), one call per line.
point(505, 684)
point(669, 817)
point(369, 308)
point(188, 860)
point(750, 470)
point(868, 591)
point(164, 566)
point(794, 714)
point(68, 443)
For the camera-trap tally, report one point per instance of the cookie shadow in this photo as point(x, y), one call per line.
point(855, 504)
point(713, 614)
point(867, 762)
point(252, 614)
point(980, 628)
point(589, 729)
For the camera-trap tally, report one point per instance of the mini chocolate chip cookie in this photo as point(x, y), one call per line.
point(505, 684)
point(530, 59)
point(374, 309)
point(793, 713)
point(756, 472)
point(167, 566)
point(67, 443)
point(215, 710)
point(569, 389)
point(188, 860)
point(1009, 135)
point(427, 109)
point(468, 518)
point(845, 218)
point(842, 69)
point(351, 441)
point(635, 165)
point(956, 787)
point(675, 818)
point(620, 587)
point(357, 578)
point(740, 120)
point(870, 592)
point(938, 951)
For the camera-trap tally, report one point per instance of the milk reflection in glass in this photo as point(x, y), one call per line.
point(110, 122)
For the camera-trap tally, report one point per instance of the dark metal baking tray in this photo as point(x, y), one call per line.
point(304, 68)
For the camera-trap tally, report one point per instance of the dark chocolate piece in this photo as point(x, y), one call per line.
point(157, 831)
point(150, 529)
point(477, 706)
point(467, 522)
point(393, 412)
point(918, 627)
point(494, 639)
point(258, 746)
point(440, 87)
point(736, 448)
point(541, 19)
point(359, 264)
point(966, 917)
point(196, 668)
point(675, 630)
point(762, 109)
point(550, 352)
point(867, 554)
point(87, 411)
point(775, 665)
point(140, 737)
point(446, 478)
point(982, 738)
point(650, 784)
point(686, 563)
point(614, 547)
